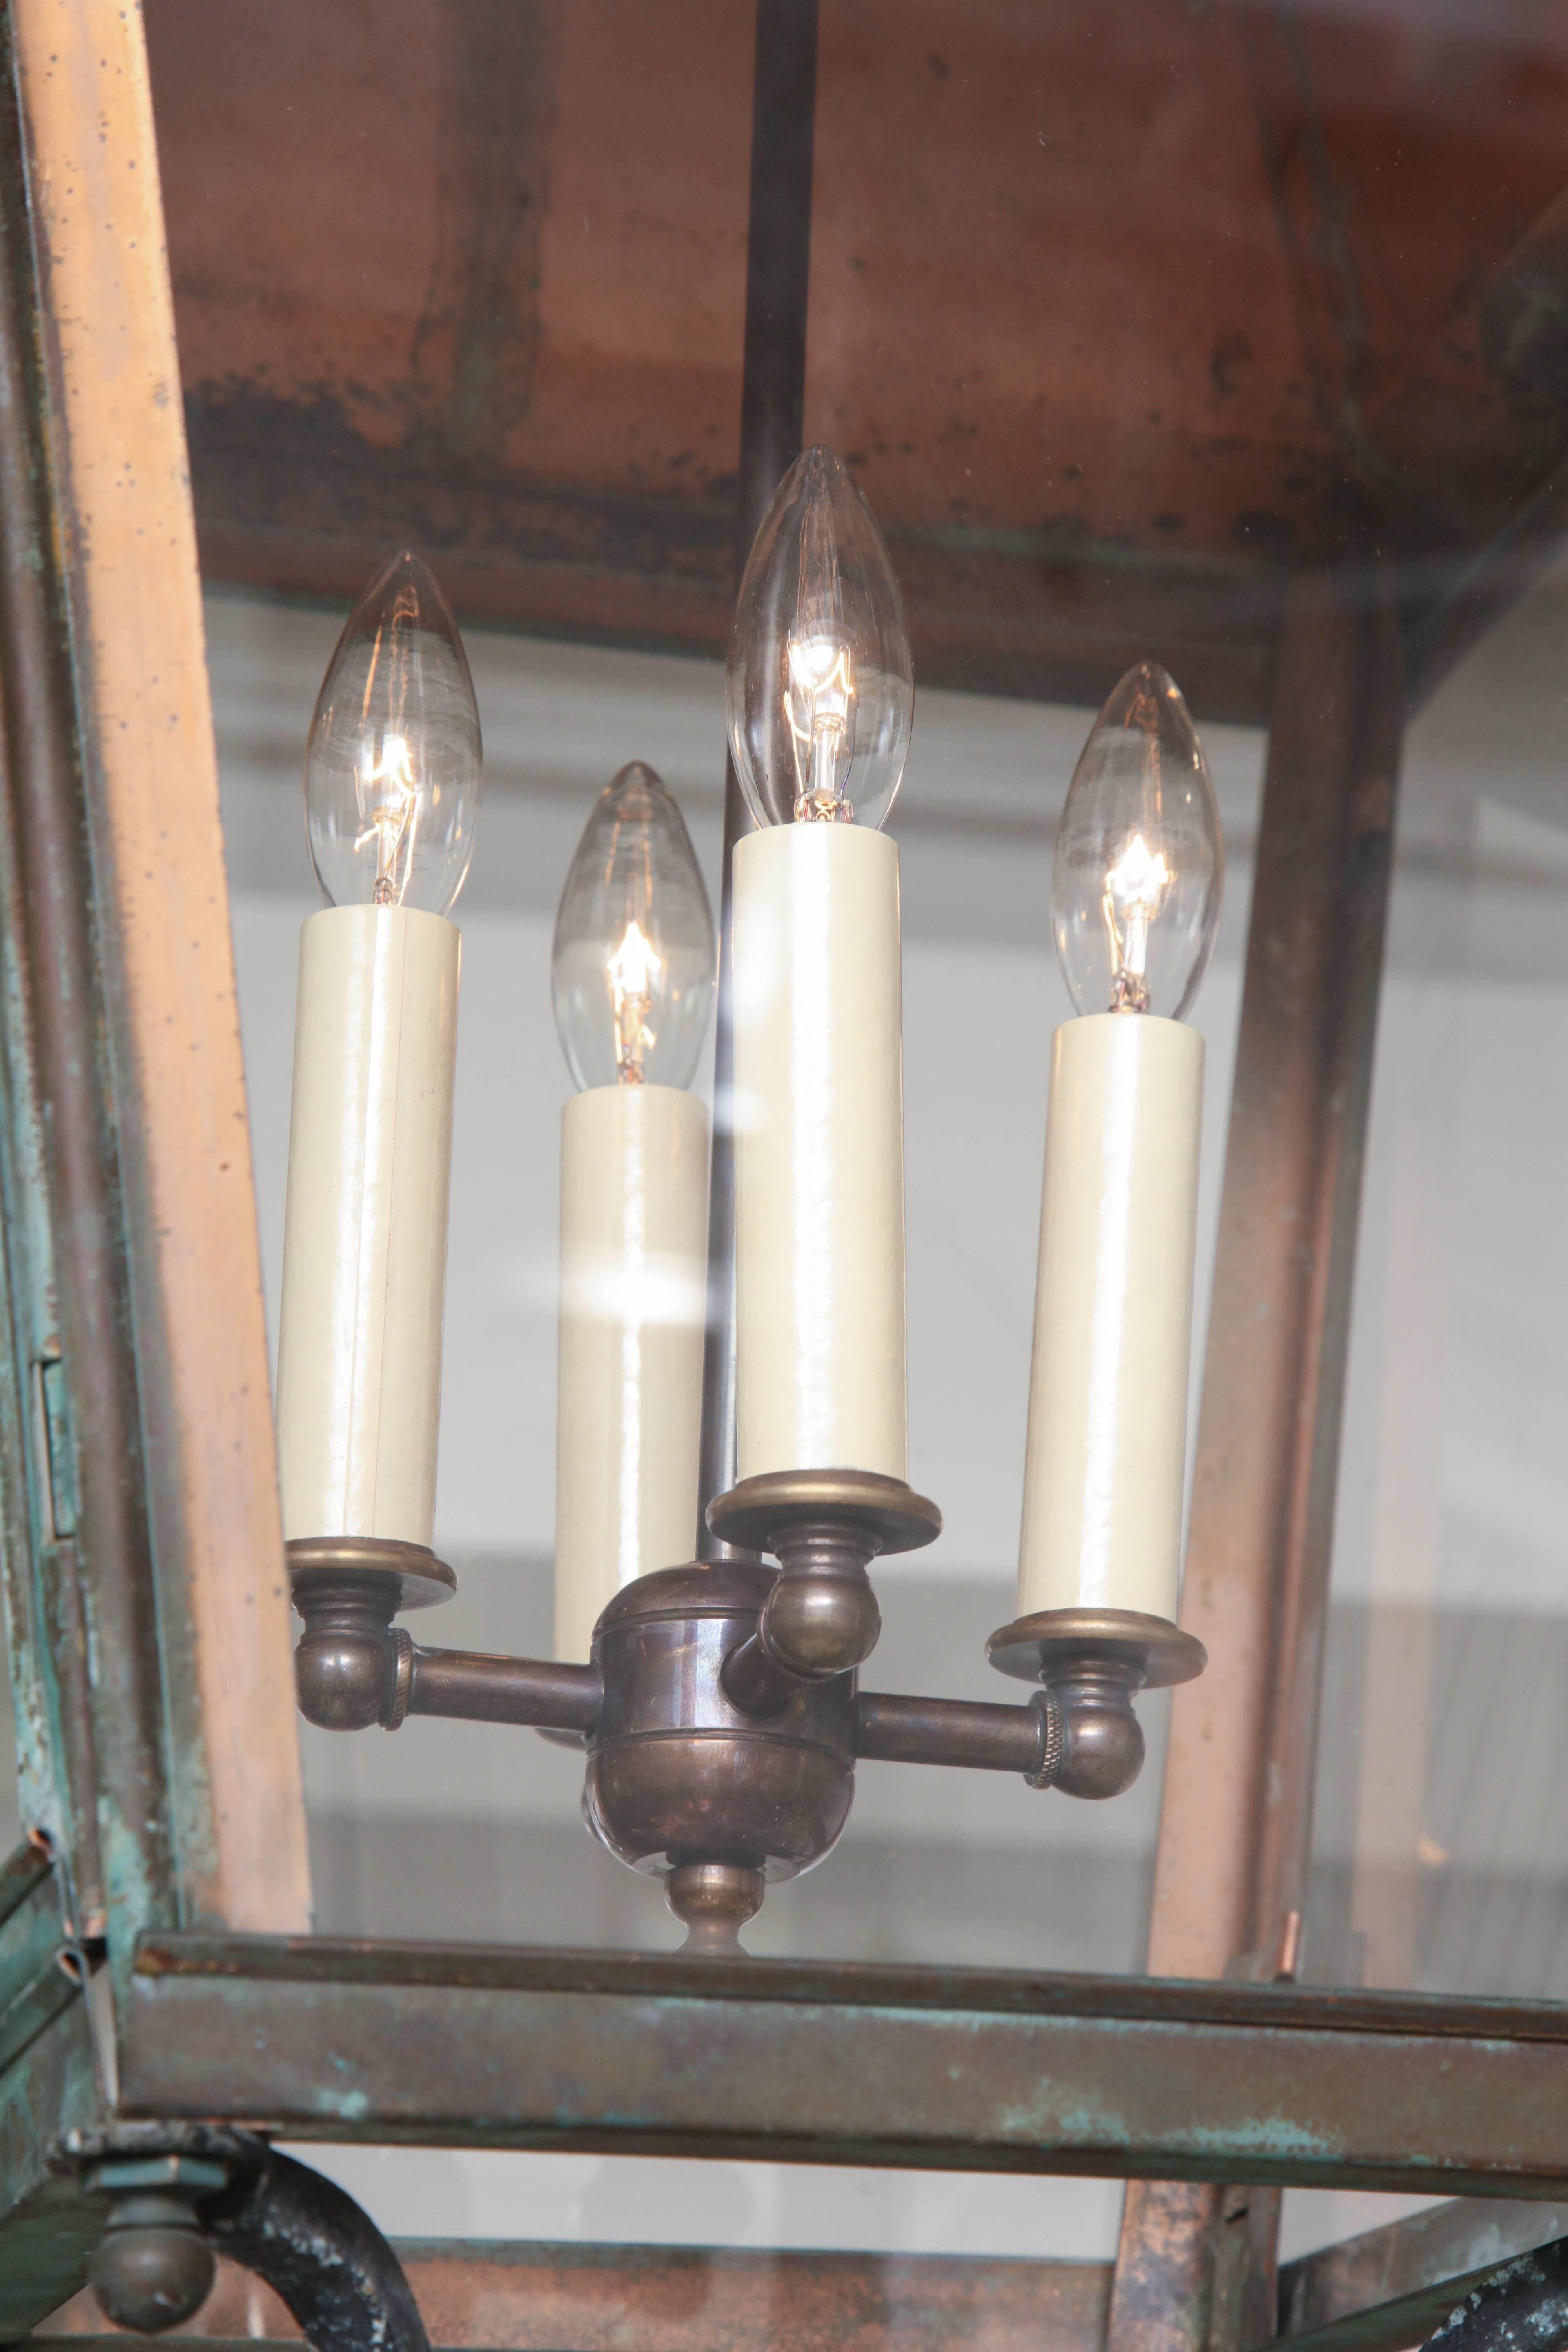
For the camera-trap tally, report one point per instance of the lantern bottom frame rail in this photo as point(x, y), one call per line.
point(338, 2042)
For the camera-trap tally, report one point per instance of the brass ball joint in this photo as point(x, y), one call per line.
point(721, 1713)
point(154, 2267)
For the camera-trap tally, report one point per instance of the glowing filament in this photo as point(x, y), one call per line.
point(819, 702)
point(632, 968)
point(1135, 891)
point(388, 797)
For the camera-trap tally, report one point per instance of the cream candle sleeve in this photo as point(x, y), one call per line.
point(1108, 1397)
point(364, 1250)
point(634, 1270)
point(819, 1153)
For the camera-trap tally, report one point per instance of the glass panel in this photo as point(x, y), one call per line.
point(1110, 361)
point(480, 1827)
point(1020, 345)
point(1442, 1859)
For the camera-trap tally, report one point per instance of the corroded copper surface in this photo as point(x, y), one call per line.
point(536, 2298)
point(1118, 313)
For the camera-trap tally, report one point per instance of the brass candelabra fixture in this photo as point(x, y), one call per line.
point(720, 1712)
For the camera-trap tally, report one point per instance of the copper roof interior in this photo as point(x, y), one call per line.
point(1120, 313)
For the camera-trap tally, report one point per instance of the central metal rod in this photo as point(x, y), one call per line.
point(772, 408)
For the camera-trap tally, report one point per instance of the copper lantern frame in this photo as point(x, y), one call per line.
point(163, 2010)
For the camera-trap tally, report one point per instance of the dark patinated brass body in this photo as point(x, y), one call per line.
point(677, 1772)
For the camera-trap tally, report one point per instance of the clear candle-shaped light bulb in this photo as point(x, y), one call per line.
point(394, 762)
point(819, 683)
point(633, 965)
point(1138, 868)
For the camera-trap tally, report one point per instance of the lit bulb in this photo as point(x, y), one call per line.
point(1139, 867)
point(819, 683)
point(634, 971)
point(632, 966)
point(394, 762)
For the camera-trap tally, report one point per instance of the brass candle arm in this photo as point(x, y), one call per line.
point(354, 1668)
point(710, 1761)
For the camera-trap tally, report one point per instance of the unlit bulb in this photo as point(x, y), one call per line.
point(819, 683)
point(393, 763)
point(633, 964)
point(1139, 869)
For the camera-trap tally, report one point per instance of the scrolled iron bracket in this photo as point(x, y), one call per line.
point(322, 2255)
point(1522, 2307)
